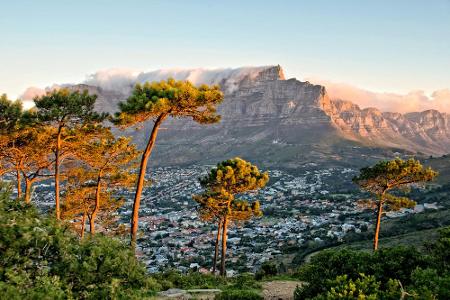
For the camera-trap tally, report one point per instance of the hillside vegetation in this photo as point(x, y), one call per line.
point(390, 273)
point(441, 164)
point(45, 259)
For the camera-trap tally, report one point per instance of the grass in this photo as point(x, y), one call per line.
point(442, 165)
point(417, 238)
point(280, 277)
point(412, 230)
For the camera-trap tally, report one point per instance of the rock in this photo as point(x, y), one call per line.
point(264, 113)
point(200, 294)
point(175, 294)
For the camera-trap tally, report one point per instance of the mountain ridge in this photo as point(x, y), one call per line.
point(263, 111)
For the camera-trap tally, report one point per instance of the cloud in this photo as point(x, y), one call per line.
point(403, 103)
point(28, 96)
point(32, 92)
point(113, 79)
point(123, 80)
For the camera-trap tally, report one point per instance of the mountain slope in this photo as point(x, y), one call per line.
point(278, 121)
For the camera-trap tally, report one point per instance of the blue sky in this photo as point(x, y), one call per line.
point(394, 46)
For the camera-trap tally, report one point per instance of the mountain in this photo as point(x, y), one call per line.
point(427, 132)
point(285, 122)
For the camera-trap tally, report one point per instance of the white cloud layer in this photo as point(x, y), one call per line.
point(123, 80)
point(32, 92)
point(403, 103)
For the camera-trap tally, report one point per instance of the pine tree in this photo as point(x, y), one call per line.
point(11, 114)
point(156, 101)
point(34, 156)
point(24, 148)
point(218, 202)
point(10, 121)
point(387, 176)
point(65, 110)
point(107, 165)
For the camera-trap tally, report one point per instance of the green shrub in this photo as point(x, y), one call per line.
point(327, 265)
point(440, 251)
point(394, 270)
point(245, 281)
point(268, 268)
point(239, 295)
point(388, 263)
point(364, 288)
point(192, 280)
point(428, 284)
point(43, 259)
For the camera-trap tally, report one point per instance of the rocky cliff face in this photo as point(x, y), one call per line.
point(427, 132)
point(268, 118)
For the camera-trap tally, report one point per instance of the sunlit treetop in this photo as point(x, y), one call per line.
point(213, 206)
point(242, 210)
point(12, 115)
point(110, 158)
point(228, 178)
point(170, 98)
point(235, 176)
point(397, 173)
point(66, 108)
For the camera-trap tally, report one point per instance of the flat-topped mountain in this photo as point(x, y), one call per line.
point(274, 120)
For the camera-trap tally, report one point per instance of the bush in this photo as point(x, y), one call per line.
point(440, 251)
point(364, 287)
point(43, 259)
point(388, 263)
point(392, 270)
point(245, 281)
point(239, 295)
point(267, 269)
point(193, 280)
point(428, 284)
point(327, 265)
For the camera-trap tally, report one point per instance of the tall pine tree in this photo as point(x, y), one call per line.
point(157, 101)
point(387, 176)
point(65, 110)
point(105, 167)
point(218, 202)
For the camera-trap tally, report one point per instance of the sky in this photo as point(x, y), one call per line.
point(398, 47)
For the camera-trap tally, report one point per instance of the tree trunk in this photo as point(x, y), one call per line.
point(89, 219)
point(377, 226)
point(83, 225)
point(28, 184)
point(19, 186)
point(224, 246)
point(97, 206)
point(216, 247)
point(57, 153)
point(141, 178)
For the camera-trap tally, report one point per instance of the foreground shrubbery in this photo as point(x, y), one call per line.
point(244, 284)
point(45, 260)
point(388, 273)
point(239, 294)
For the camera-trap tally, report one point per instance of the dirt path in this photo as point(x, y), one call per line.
point(279, 290)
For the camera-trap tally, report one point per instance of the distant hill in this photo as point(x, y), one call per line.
point(441, 164)
point(272, 120)
point(412, 230)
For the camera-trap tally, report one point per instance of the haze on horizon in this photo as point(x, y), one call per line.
point(394, 56)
